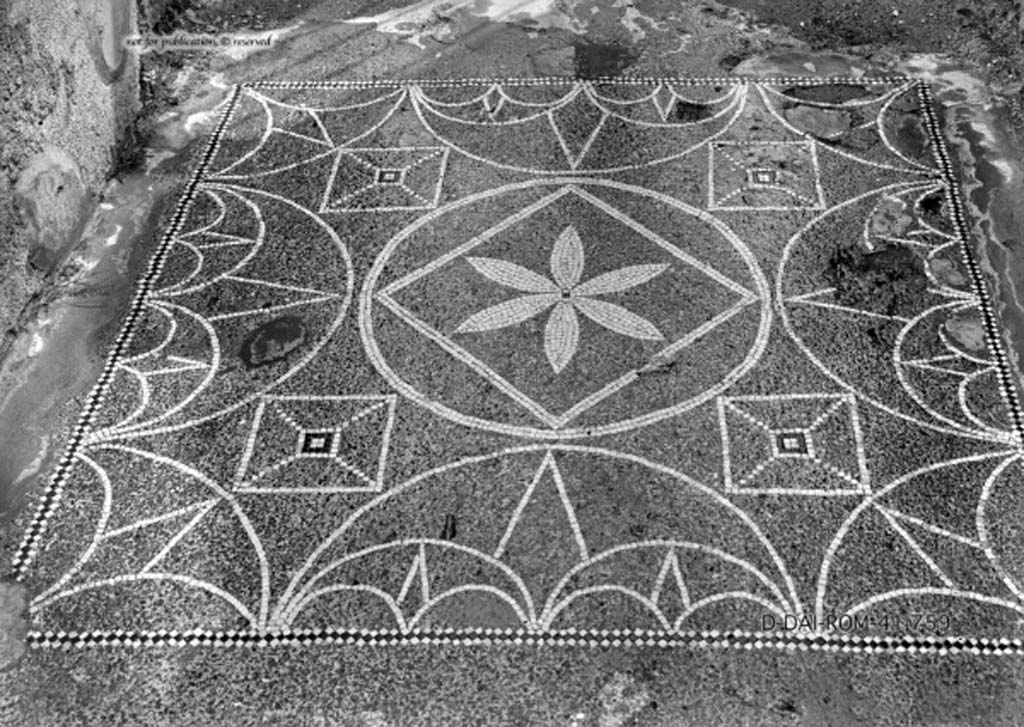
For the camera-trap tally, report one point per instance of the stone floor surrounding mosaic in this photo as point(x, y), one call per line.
point(618, 361)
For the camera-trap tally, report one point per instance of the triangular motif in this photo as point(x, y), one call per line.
point(950, 364)
point(204, 239)
point(962, 559)
point(670, 593)
point(199, 513)
point(153, 366)
point(825, 298)
point(913, 524)
point(494, 100)
point(664, 99)
point(543, 539)
point(576, 125)
point(278, 151)
point(415, 591)
point(911, 541)
point(303, 124)
point(902, 570)
point(188, 556)
point(128, 549)
point(234, 296)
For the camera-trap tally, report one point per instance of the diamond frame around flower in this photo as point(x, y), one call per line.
point(555, 421)
point(563, 294)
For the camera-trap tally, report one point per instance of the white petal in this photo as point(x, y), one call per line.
point(561, 336)
point(567, 258)
point(622, 279)
point(508, 313)
point(618, 319)
point(512, 275)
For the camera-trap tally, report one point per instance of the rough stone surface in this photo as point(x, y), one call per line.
point(890, 218)
point(880, 281)
point(946, 271)
point(602, 59)
point(51, 195)
point(832, 94)
point(967, 330)
point(688, 111)
point(553, 61)
point(13, 625)
point(822, 123)
point(65, 111)
point(910, 136)
point(273, 340)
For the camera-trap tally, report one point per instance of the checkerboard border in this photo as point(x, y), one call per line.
point(625, 638)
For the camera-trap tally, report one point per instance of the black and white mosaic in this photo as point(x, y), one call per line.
point(539, 361)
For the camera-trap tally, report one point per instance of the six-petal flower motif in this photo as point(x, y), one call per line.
point(564, 294)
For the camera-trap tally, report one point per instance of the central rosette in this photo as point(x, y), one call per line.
point(563, 295)
point(547, 321)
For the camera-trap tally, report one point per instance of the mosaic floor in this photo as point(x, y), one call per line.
point(632, 362)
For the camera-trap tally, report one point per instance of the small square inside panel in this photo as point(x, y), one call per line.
point(792, 443)
point(762, 177)
point(316, 442)
point(389, 176)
